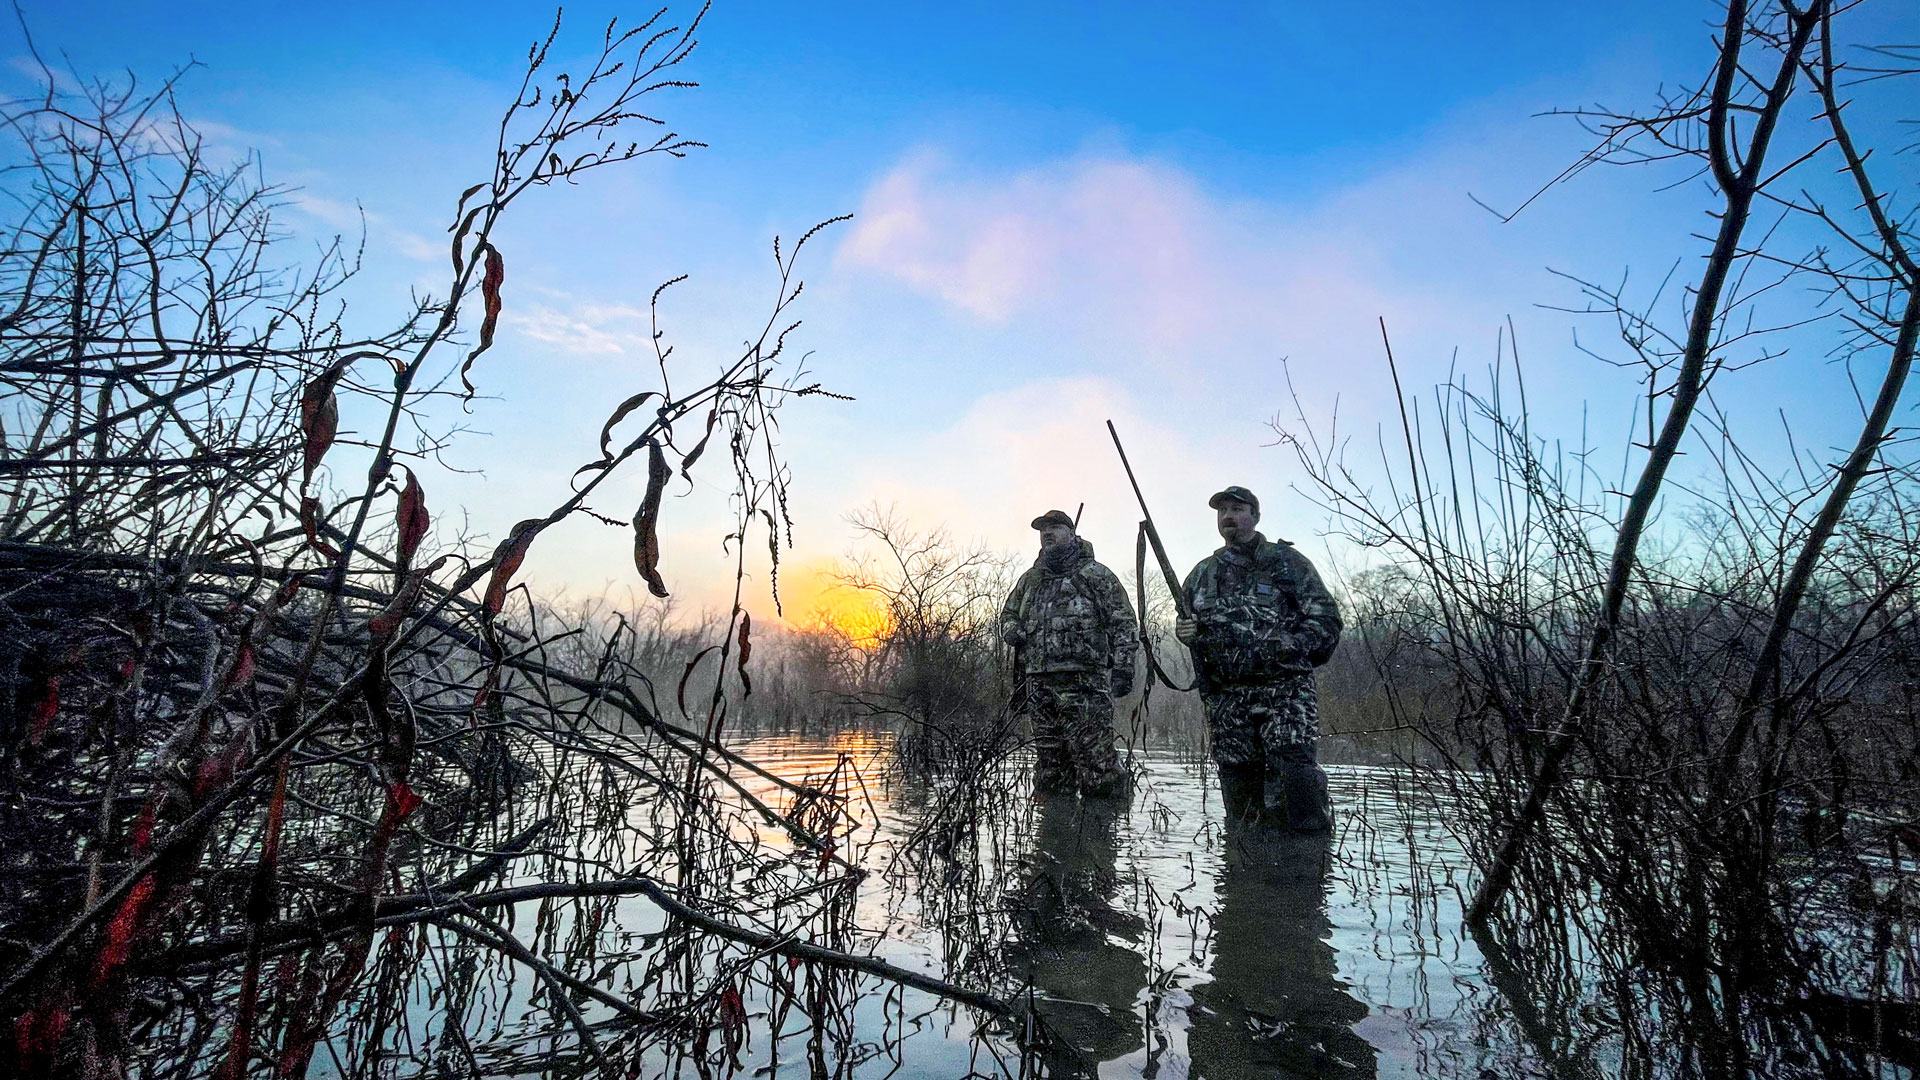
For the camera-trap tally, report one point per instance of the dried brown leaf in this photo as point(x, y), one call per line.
point(310, 524)
point(746, 650)
point(494, 276)
point(319, 417)
point(412, 517)
point(619, 414)
point(646, 523)
point(405, 599)
point(507, 559)
point(686, 464)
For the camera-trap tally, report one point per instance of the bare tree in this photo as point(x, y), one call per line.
point(1705, 729)
point(937, 664)
point(259, 782)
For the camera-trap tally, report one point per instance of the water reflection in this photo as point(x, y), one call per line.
point(1161, 939)
point(1165, 939)
point(1274, 1006)
point(1077, 947)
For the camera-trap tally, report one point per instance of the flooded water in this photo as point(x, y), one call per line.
point(1153, 937)
point(1158, 939)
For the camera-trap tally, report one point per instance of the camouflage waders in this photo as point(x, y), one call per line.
point(1074, 637)
point(1073, 750)
point(1264, 621)
point(1263, 742)
point(1254, 721)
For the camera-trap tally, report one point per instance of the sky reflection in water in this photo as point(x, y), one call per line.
point(1163, 941)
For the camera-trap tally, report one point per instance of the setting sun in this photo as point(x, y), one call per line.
point(815, 599)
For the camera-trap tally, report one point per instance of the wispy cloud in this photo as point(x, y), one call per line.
point(351, 217)
point(588, 330)
point(330, 212)
point(34, 72)
point(416, 247)
point(221, 134)
point(1169, 306)
point(999, 246)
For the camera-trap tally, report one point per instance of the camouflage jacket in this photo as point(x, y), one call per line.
point(1077, 619)
point(1261, 614)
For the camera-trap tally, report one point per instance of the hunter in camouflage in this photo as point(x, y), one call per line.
point(1262, 621)
point(1073, 635)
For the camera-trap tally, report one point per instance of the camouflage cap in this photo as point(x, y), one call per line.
point(1236, 493)
point(1053, 517)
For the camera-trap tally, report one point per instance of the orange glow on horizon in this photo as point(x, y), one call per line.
point(814, 599)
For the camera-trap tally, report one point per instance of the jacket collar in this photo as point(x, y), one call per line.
point(1082, 555)
point(1261, 552)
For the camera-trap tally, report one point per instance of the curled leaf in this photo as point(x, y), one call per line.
point(592, 466)
point(491, 279)
point(646, 534)
point(459, 239)
point(37, 1034)
point(483, 696)
point(405, 598)
point(319, 418)
point(217, 771)
point(619, 414)
point(469, 218)
point(310, 524)
point(507, 559)
point(126, 928)
point(44, 710)
point(319, 422)
point(243, 667)
point(404, 800)
point(733, 1023)
point(467, 194)
point(680, 695)
point(413, 519)
point(143, 828)
point(746, 650)
point(686, 464)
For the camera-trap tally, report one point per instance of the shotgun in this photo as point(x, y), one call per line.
point(1153, 534)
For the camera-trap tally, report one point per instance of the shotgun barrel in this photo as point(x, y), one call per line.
point(1153, 534)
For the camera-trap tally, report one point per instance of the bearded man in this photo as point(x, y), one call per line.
point(1262, 621)
point(1074, 639)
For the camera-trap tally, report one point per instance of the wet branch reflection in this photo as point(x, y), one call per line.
point(1155, 938)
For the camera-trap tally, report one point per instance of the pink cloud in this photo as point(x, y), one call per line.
point(1130, 259)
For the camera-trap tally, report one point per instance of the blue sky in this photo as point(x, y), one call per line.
point(1062, 215)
